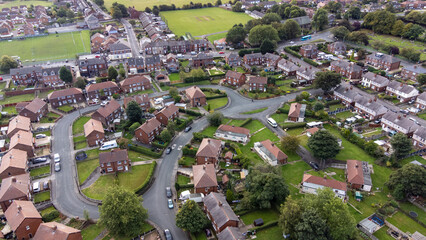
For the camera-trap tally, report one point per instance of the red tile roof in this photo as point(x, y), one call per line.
point(150, 125)
point(106, 110)
point(355, 172)
point(136, 79)
point(294, 110)
point(168, 111)
point(64, 93)
point(194, 92)
point(93, 125)
point(19, 122)
point(331, 183)
point(18, 211)
point(35, 105)
point(99, 86)
point(114, 155)
point(234, 129)
point(204, 176)
point(209, 148)
point(56, 231)
point(274, 150)
point(15, 187)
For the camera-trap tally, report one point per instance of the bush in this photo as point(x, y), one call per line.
point(292, 52)
point(198, 137)
point(265, 226)
point(332, 102)
point(248, 51)
point(134, 126)
point(217, 96)
point(190, 112)
point(311, 62)
point(158, 145)
point(145, 151)
point(189, 152)
point(294, 125)
point(49, 217)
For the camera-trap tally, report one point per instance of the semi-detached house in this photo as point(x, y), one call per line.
point(195, 96)
point(97, 90)
point(421, 101)
point(204, 178)
point(234, 78)
point(288, 67)
point(142, 100)
point(219, 212)
point(383, 61)
point(402, 91)
point(65, 97)
point(23, 219)
point(35, 110)
point(411, 72)
point(257, 83)
point(370, 108)
point(394, 122)
point(147, 132)
point(24, 141)
point(349, 70)
point(306, 75)
point(135, 84)
point(94, 132)
point(57, 231)
point(108, 113)
point(209, 151)
point(347, 95)
point(14, 162)
point(15, 188)
point(169, 113)
point(419, 137)
point(113, 161)
point(18, 123)
point(374, 81)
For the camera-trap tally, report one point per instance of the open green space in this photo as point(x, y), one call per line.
point(174, 77)
point(258, 137)
point(256, 111)
point(44, 94)
point(66, 108)
point(405, 223)
point(295, 131)
point(344, 115)
point(8, 4)
point(382, 234)
point(182, 180)
point(270, 233)
point(18, 98)
point(85, 168)
point(280, 118)
point(215, 37)
point(78, 125)
point(202, 21)
point(40, 171)
point(51, 47)
point(141, 5)
point(209, 131)
point(131, 180)
point(10, 110)
point(41, 197)
point(216, 103)
point(267, 215)
point(92, 231)
point(254, 126)
point(408, 207)
point(293, 174)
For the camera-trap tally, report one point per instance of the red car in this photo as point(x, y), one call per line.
point(221, 52)
point(1, 79)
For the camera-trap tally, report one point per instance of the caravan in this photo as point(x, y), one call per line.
point(109, 145)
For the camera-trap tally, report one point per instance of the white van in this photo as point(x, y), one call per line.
point(36, 187)
point(272, 122)
point(109, 145)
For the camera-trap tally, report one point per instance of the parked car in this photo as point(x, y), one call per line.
point(168, 150)
point(36, 187)
point(411, 101)
point(45, 185)
point(57, 167)
point(377, 121)
point(39, 160)
point(221, 52)
point(187, 129)
point(168, 234)
point(39, 136)
point(168, 192)
point(80, 156)
point(56, 157)
point(173, 146)
point(314, 165)
point(103, 103)
point(170, 203)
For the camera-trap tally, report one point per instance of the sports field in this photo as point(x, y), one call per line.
point(50, 47)
point(142, 4)
point(202, 21)
point(9, 4)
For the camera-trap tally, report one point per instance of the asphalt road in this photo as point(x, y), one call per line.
point(134, 45)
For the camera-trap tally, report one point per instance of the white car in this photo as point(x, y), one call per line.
point(56, 157)
point(174, 146)
point(38, 136)
point(95, 100)
point(291, 42)
point(104, 103)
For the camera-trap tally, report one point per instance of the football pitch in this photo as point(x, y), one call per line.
point(46, 48)
point(142, 4)
point(202, 21)
point(8, 4)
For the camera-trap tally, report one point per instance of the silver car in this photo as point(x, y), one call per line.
point(57, 167)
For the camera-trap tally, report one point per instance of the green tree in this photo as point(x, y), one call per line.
point(65, 74)
point(134, 126)
point(218, 2)
point(80, 83)
point(354, 12)
point(215, 119)
point(270, 18)
point(122, 72)
point(380, 21)
point(122, 213)
point(411, 54)
point(268, 46)
point(323, 145)
point(408, 180)
point(421, 78)
point(290, 143)
point(262, 32)
point(320, 19)
point(100, 3)
point(116, 12)
point(291, 213)
point(359, 37)
point(165, 135)
point(340, 32)
point(112, 73)
point(333, 7)
point(311, 226)
point(414, 32)
point(173, 91)
point(265, 185)
point(7, 63)
point(148, 10)
point(398, 28)
point(133, 111)
point(236, 34)
point(401, 145)
point(171, 126)
point(291, 29)
point(132, 22)
point(229, 195)
point(237, 7)
point(318, 107)
point(327, 80)
point(191, 217)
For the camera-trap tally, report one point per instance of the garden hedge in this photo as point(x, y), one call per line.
point(311, 62)
point(190, 112)
point(49, 217)
point(287, 49)
point(217, 96)
point(145, 151)
point(294, 125)
point(332, 102)
point(247, 121)
point(265, 226)
point(243, 52)
point(143, 186)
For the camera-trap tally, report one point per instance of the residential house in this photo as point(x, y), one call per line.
point(111, 30)
point(57, 231)
point(108, 113)
point(231, 233)
point(14, 188)
point(18, 123)
point(13, 163)
point(370, 108)
point(35, 110)
point(311, 184)
point(202, 60)
point(270, 153)
point(209, 151)
point(413, 5)
point(93, 67)
point(411, 72)
point(419, 137)
point(148, 131)
point(162, 77)
point(394, 122)
point(169, 113)
point(51, 77)
point(271, 59)
point(297, 112)
point(233, 133)
point(347, 96)
point(420, 101)
point(119, 50)
point(172, 63)
point(135, 65)
point(65, 97)
point(92, 22)
point(113, 161)
point(253, 59)
point(96, 41)
point(142, 100)
point(26, 75)
point(309, 51)
point(23, 219)
point(347, 69)
point(196, 96)
point(94, 132)
point(358, 175)
point(311, 131)
point(257, 83)
point(267, 4)
point(337, 48)
point(402, 91)
point(219, 212)
point(306, 75)
point(24, 141)
point(204, 178)
point(233, 60)
point(383, 61)
point(152, 63)
point(234, 78)
point(98, 90)
point(134, 14)
point(256, 14)
point(288, 67)
point(135, 84)
point(376, 82)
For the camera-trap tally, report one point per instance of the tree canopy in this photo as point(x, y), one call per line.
point(260, 33)
point(380, 21)
point(191, 218)
point(290, 29)
point(236, 34)
point(408, 180)
point(270, 18)
point(327, 80)
point(6, 63)
point(320, 19)
point(290, 143)
point(112, 73)
point(268, 46)
point(80, 83)
point(215, 119)
point(340, 32)
point(65, 74)
point(401, 145)
point(324, 145)
point(134, 111)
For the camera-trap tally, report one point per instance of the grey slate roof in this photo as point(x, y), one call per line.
point(304, 20)
point(135, 61)
point(348, 66)
point(253, 55)
point(348, 93)
point(154, 59)
point(373, 105)
point(402, 87)
point(384, 58)
point(422, 96)
point(25, 70)
point(271, 56)
point(118, 46)
point(401, 121)
point(416, 69)
point(421, 132)
point(287, 65)
point(219, 209)
point(377, 79)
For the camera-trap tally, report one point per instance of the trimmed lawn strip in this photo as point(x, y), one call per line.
point(92, 231)
point(182, 180)
point(39, 171)
point(188, 161)
point(85, 168)
point(344, 115)
point(254, 126)
point(47, 133)
point(66, 108)
point(216, 103)
point(256, 111)
point(382, 234)
point(137, 157)
point(10, 110)
point(279, 117)
point(209, 131)
point(268, 215)
point(270, 233)
point(17, 99)
point(78, 125)
point(41, 197)
point(80, 145)
point(295, 131)
point(408, 207)
point(405, 223)
point(174, 77)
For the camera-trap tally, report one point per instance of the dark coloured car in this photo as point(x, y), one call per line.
point(168, 192)
point(80, 156)
point(168, 150)
point(168, 234)
point(39, 160)
point(187, 129)
point(314, 165)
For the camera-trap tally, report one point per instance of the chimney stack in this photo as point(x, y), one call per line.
point(19, 208)
point(220, 203)
point(54, 228)
point(13, 179)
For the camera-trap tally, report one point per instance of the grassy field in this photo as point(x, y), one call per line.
point(202, 21)
point(27, 3)
point(39, 171)
point(141, 5)
point(216, 103)
point(85, 168)
point(422, 116)
point(267, 215)
point(256, 111)
point(78, 125)
point(40, 197)
point(215, 37)
point(50, 47)
point(405, 223)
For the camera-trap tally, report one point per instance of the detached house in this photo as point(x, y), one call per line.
point(204, 178)
point(257, 83)
point(310, 184)
point(421, 101)
point(14, 188)
point(142, 100)
point(35, 110)
point(18, 123)
point(411, 72)
point(347, 96)
point(94, 132)
point(148, 131)
point(253, 59)
point(108, 113)
point(233, 60)
point(376, 82)
point(232, 133)
point(135, 84)
point(402, 91)
point(234, 78)
point(419, 137)
point(270, 153)
point(370, 108)
point(337, 48)
point(195, 96)
point(23, 219)
point(209, 151)
point(394, 122)
point(24, 141)
point(347, 69)
point(383, 61)
point(219, 212)
point(13, 163)
point(169, 113)
point(297, 112)
point(358, 175)
point(65, 97)
point(57, 231)
point(309, 51)
point(113, 161)
point(98, 90)
point(288, 67)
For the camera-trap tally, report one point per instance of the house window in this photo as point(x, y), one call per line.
point(109, 169)
point(109, 164)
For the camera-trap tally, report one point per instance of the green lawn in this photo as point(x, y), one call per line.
point(412, 158)
point(258, 137)
point(141, 5)
point(236, 122)
point(382, 234)
point(182, 180)
point(187, 161)
point(214, 72)
point(202, 21)
point(344, 115)
point(85, 168)
point(335, 107)
point(209, 131)
point(78, 125)
point(293, 174)
point(130, 180)
point(408, 207)
point(8, 4)
point(39, 171)
point(66, 108)
point(263, 135)
point(216, 103)
point(92, 231)
point(422, 116)
point(240, 70)
point(47, 133)
point(295, 131)
point(254, 126)
point(18, 98)
point(174, 77)
point(267, 215)
point(10, 110)
point(279, 117)
point(256, 111)
point(215, 37)
point(40, 197)
point(49, 118)
point(405, 223)
point(270, 233)
point(50, 47)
